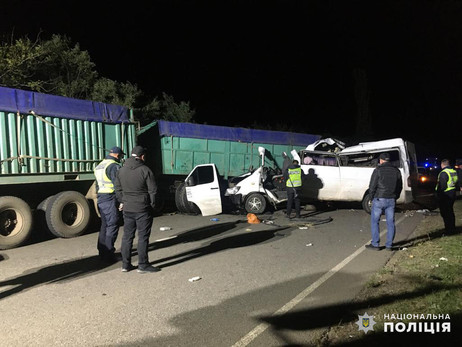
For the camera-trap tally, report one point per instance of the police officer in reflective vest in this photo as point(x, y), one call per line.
point(446, 188)
point(293, 176)
point(105, 174)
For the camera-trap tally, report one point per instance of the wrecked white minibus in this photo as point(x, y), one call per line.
point(333, 173)
point(338, 173)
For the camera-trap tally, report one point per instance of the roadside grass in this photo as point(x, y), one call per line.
point(423, 278)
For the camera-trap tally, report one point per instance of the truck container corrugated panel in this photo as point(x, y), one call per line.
point(36, 148)
point(181, 146)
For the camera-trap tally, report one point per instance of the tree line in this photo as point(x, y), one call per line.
point(58, 66)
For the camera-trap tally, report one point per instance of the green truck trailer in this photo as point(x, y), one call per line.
point(176, 148)
point(49, 146)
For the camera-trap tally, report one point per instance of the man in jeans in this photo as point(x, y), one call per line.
point(136, 188)
point(384, 188)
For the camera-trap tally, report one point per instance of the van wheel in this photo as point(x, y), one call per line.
point(15, 222)
point(255, 203)
point(68, 214)
point(367, 203)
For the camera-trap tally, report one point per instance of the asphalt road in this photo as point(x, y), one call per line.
point(260, 284)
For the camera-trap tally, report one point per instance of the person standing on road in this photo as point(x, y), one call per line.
point(446, 188)
point(384, 189)
point(136, 188)
point(293, 176)
point(105, 174)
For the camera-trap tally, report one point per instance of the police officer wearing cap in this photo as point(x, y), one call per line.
point(105, 173)
point(446, 188)
point(136, 188)
point(384, 189)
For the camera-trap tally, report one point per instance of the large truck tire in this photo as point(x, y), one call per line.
point(68, 214)
point(367, 203)
point(182, 203)
point(179, 201)
point(15, 222)
point(255, 203)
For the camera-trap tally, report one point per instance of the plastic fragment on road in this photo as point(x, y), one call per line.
point(404, 249)
point(303, 228)
point(165, 228)
point(252, 219)
point(214, 219)
point(194, 279)
point(309, 244)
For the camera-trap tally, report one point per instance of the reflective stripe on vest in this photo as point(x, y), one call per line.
point(105, 184)
point(452, 179)
point(295, 177)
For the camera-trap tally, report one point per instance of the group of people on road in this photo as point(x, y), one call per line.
point(130, 189)
point(385, 187)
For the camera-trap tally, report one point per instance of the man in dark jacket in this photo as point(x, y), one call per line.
point(136, 188)
point(384, 188)
point(446, 188)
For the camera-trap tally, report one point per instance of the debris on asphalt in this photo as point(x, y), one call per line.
point(214, 219)
point(309, 244)
point(423, 211)
point(404, 249)
point(194, 279)
point(165, 228)
point(248, 229)
point(303, 228)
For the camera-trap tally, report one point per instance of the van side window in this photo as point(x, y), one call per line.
point(369, 159)
point(319, 159)
point(203, 174)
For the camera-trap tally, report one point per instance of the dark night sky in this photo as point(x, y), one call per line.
point(277, 62)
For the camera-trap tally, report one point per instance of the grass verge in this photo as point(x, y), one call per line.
point(424, 278)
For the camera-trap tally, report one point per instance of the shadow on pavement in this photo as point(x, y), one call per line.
point(240, 309)
point(235, 241)
point(332, 315)
point(197, 234)
point(53, 273)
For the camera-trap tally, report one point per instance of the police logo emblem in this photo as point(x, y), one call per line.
point(365, 323)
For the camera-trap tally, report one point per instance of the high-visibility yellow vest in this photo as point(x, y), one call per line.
point(105, 185)
point(452, 179)
point(295, 177)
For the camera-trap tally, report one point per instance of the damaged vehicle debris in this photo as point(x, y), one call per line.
point(338, 173)
point(333, 173)
point(252, 191)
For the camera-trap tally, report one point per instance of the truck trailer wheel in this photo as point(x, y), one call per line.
point(182, 203)
point(255, 203)
point(15, 222)
point(367, 203)
point(68, 214)
point(179, 201)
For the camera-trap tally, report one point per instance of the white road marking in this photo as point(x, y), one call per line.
point(259, 329)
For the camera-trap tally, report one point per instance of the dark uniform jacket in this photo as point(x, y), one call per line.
point(386, 182)
point(136, 186)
